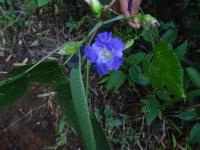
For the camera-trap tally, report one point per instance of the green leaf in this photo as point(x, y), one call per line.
point(64, 99)
point(174, 141)
point(70, 48)
point(42, 2)
point(136, 58)
point(62, 140)
point(11, 90)
point(129, 43)
point(164, 70)
point(193, 94)
point(181, 50)
point(136, 75)
point(170, 36)
point(115, 80)
point(100, 138)
point(194, 134)
point(194, 76)
point(188, 116)
point(152, 109)
point(81, 108)
point(46, 72)
point(150, 34)
point(163, 95)
point(117, 123)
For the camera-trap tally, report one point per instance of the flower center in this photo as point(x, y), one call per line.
point(106, 54)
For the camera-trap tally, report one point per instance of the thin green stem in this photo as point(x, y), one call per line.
point(69, 58)
point(87, 78)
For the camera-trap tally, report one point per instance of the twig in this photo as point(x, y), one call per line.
point(46, 94)
point(111, 3)
point(16, 121)
point(3, 72)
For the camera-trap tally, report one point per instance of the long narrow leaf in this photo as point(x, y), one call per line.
point(64, 99)
point(81, 107)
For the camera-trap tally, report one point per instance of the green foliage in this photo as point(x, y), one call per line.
point(194, 134)
point(150, 34)
point(164, 70)
point(152, 109)
point(15, 87)
point(12, 90)
point(193, 94)
point(170, 36)
point(67, 105)
point(81, 109)
point(181, 50)
point(161, 68)
point(188, 116)
point(42, 2)
point(136, 75)
point(70, 48)
point(115, 80)
point(64, 99)
point(194, 76)
point(73, 25)
point(129, 43)
point(136, 58)
point(47, 72)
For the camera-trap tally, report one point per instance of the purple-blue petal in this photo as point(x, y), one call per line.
point(90, 53)
point(117, 45)
point(117, 63)
point(105, 53)
point(102, 68)
point(103, 38)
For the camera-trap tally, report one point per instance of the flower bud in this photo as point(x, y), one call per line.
point(147, 20)
point(96, 6)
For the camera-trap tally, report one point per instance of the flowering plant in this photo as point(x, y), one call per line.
point(105, 53)
point(160, 68)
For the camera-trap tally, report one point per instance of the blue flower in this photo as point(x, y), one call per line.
point(105, 53)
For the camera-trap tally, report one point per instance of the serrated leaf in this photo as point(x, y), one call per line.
point(164, 70)
point(136, 75)
point(136, 58)
point(115, 80)
point(194, 137)
point(152, 109)
point(188, 116)
point(181, 50)
point(194, 76)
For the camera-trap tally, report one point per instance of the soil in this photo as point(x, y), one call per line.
point(31, 123)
